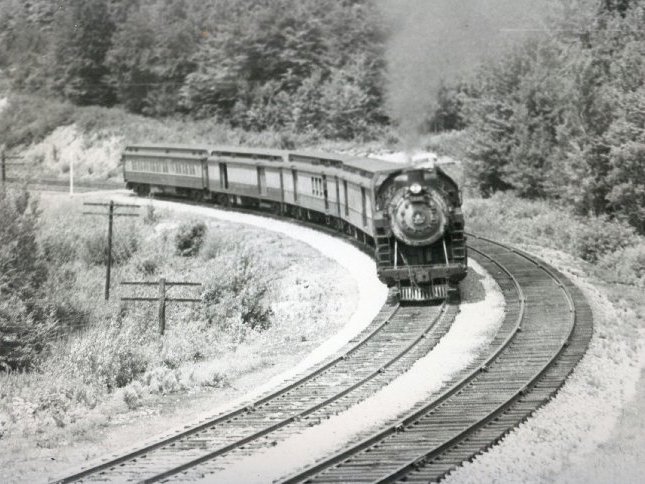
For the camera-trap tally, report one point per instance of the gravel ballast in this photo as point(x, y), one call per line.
point(479, 318)
point(582, 435)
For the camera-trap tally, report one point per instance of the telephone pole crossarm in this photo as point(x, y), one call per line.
point(111, 206)
point(162, 298)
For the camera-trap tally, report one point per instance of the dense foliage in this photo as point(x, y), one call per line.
point(302, 64)
point(564, 116)
point(561, 116)
point(24, 318)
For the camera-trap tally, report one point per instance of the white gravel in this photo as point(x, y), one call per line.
point(474, 327)
point(564, 440)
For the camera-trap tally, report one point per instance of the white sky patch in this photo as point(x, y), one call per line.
point(474, 327)
point(4, 102)
point(371, 297)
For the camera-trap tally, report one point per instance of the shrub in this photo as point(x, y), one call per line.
point(25, 319)
point(626, 266)
point(24, 333)
point(124, 244)
point(237, 292)
point(59, 248)
point(162, 380)
point(29, 119)
point(596, 237)
point(129, 364)
point(151, 216)
point(219, 243)
point(132, 395)
point(149, 265)
point(189, 238)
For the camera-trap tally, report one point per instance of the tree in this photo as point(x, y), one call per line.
point(83, 37)
point(151, 56)
point(563, 116)
point(23, 319)
point(268, 64)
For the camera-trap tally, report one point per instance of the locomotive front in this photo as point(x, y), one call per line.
point(421, 247)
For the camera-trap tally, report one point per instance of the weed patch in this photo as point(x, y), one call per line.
point(615, 250)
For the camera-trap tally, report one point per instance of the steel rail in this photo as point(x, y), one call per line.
point(228, 415)
point(215, 453)
point(414, 464)
point(302, 476)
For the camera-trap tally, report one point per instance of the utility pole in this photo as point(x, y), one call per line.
point(110, 213)
point(162, 305)
point(162, 299)
point(3, 165)
point(109, 264)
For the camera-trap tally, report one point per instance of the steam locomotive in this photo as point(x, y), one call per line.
point(409, 217)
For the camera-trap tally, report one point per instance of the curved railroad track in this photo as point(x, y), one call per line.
point(396, 338)
point(547, 328)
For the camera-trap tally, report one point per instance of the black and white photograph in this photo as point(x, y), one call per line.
point(322, 241)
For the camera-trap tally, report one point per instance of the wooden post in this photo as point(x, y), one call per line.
point(111, 207)
point(162, 298)
point(109, 263)
point(162, 305)
point(71, 178)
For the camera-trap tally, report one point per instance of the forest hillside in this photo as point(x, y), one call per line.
point(560, 115)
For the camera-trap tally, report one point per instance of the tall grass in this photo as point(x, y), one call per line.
point(615, 250)
point(110, 348)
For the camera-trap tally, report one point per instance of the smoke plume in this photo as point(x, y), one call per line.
point(439, 41)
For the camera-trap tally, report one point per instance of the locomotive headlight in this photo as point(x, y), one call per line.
point(415, 188)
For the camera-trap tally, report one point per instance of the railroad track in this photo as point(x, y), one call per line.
point(396, 338)
point(547, 328)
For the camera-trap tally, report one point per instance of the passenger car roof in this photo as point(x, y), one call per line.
point(365, 164)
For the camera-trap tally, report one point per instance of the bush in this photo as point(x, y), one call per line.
point(125, 244)
point(151, 216)
point(111, 355)
point(189, 238)
point(132, 395)
point(626, 266)
point(25, 319)
point(59, 248)
point(29, 119)
point(149, 265)
point(237, 293)
point(596, 237)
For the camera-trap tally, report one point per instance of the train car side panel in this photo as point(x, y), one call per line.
point(289, 179)
point(243, 179)
point(273, 184)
